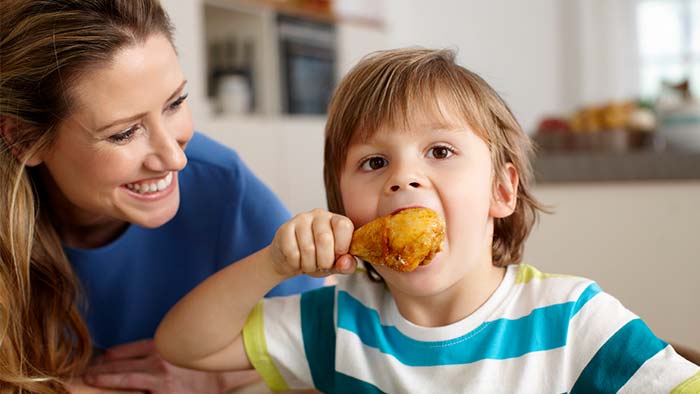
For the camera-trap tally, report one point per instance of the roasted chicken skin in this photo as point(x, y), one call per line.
point(400, 241)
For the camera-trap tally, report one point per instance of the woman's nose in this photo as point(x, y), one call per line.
point(168, 151)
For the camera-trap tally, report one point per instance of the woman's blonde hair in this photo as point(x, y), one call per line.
point(387, 86)
point(46, 46)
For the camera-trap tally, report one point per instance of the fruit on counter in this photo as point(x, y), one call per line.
point(553, 125)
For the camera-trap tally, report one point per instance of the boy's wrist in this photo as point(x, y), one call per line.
point(273, 268)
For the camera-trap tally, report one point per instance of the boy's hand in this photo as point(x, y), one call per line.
point(315, 243)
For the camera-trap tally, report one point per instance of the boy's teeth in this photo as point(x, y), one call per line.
point(143, 188)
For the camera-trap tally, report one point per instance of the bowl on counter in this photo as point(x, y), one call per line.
point(680, 128)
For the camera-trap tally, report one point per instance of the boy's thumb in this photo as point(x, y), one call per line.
point(347, 264)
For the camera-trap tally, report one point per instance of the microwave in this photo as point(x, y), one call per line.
point(307, 64)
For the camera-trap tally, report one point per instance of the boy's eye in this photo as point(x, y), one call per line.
point(440, 152)
point(374, 163)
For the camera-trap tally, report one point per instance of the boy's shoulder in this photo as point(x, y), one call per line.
point(528, 275)
point(534, 289)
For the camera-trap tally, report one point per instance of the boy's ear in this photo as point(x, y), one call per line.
point(8, 132)
point(505, 193)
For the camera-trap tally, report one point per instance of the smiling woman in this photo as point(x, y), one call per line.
point(98, 153)
point(109, 190)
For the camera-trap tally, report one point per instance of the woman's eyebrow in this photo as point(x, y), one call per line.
point(177, 91)
point(142, 114)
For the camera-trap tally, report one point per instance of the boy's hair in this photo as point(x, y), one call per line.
point(386, 86)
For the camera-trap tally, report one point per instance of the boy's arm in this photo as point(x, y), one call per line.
point(203, 330)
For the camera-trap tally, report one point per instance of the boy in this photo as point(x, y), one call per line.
point(410, 128)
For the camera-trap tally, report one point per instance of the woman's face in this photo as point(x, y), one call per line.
point(116, 157)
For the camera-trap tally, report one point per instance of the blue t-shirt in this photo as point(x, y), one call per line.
point(225, 214)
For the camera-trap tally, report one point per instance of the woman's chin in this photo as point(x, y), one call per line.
point(156, 219)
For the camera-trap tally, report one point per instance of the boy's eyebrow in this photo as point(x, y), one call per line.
point(443, 126)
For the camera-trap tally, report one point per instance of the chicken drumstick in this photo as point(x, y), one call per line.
point(401, 241)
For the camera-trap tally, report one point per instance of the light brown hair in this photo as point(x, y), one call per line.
point(46, 46)
point(383, 89)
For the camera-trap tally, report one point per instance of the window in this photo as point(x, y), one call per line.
point(669, 44)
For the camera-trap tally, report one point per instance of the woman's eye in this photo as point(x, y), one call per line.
point(374, 163)
point(176, 104)
point(440, 152)
point(124, 136)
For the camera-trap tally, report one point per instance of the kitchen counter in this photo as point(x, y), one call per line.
point(604, 167)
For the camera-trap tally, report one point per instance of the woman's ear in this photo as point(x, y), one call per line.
point(505, 193)
point(9, 129)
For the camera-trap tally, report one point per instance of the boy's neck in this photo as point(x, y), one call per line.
point(453, 304)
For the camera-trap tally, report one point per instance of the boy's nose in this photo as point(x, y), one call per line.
point(397, 187)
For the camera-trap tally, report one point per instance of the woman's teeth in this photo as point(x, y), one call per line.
point(151, 187)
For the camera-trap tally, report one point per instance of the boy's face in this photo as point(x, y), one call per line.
point(446, 169)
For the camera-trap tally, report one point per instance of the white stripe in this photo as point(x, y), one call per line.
point(373, 295)
point(520, 300)
point(538, 293)
point(590, 329)
point(284, 340)
point(660, 374)
point(484, 376)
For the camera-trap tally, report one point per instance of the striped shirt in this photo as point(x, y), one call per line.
point(537, 333)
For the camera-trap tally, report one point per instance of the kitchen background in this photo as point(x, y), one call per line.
point(620, 163)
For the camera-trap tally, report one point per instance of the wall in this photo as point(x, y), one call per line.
point(513, 45)
point(286, 155)
point(639, 241)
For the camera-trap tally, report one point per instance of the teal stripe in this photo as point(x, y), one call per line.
point(543, 329)
point(618, 359)
point(319, 335)
point(348, 385)
point(587, 294)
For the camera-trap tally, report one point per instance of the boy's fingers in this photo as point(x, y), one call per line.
point(346, 264)
point(342, 233)
point(307, 249)
point(287, 241)
point(323, 239)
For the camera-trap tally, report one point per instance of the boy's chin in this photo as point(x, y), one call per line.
point(424, 280)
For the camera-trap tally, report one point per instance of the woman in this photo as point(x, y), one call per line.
point(111, 196)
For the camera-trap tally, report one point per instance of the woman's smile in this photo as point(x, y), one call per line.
point(152, 189)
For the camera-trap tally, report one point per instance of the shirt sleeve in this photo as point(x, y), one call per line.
point(617, 352)
point(291, 340)
point(274, 343)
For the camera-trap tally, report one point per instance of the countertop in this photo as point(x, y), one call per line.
point(625, 166)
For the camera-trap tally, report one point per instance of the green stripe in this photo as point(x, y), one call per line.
point(318, 332)
point(690, 386)
point(527, 272)
point(618, 359)
point(256, 347)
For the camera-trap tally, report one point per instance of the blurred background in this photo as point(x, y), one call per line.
point(607, 89)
